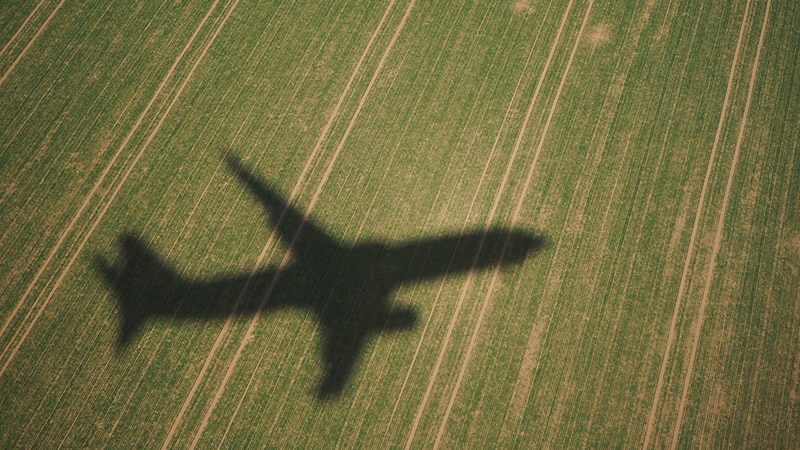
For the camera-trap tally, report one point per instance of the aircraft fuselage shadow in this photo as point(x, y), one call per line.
point(347, 288)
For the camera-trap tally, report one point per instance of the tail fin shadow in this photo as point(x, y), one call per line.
point(135, 279)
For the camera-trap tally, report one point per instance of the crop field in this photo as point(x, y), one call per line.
point(400, 224)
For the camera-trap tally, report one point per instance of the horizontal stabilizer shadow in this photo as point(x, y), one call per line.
point(346, 287)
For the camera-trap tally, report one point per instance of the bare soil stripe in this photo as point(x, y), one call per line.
point(21, 27)
point(435, 304)
point(539, 331)
point(20, 302)
point(515, 218)
point(779, 256)
point(31, 42)
point(96, 186)
point(695, 227)
point(447, 203)
point(293, 195)
point(273, 283)
point(639, 234)
point(258, 365)
point(720, 228)
point(429, 217)
point(471, 274)
point(222, 440)
point(132, 387)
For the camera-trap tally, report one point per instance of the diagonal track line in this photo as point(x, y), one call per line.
point(295, 192)
point(540, 329)
point(514, 220)
point(273, 283)
point(690, 252)
point(137, 383)
point(718, 236)
point(94, 190)
point(470, 146)
point(21, 27)
point(471, 273)
point(31, 42)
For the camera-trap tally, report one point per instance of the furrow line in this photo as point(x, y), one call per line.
point(166, 257)
point(719, 233)
point(273, 283)
point(782, 230)
point(132, 390)
point(428, 218)
point(515, 217)
point(258, 365)
point(22, 175)
point(650, 427)
point(31, 42)
point(49, 89)
point(21, 27)
point(447, 205)
point(96, 187)
point(471, 273)
point(295, 192)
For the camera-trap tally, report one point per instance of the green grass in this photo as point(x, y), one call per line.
point(571, 342)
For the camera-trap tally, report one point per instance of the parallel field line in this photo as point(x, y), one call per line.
point(272, 236)
point(258, 365)
point(650, 427)
point(471, 274)
point(287, 256)
point(308, 344)
point(94, 190)
point(94, 118)
point(429, 217)
point(447, 205)
point(21, 27)
point(539, 331)
point(759, 346)
point(790, 405)
point(515, 218)
point(779, 253)
point(22, 175)
point(616, 90)
point(69, 364)
point(614, 329)
point(719, 233)
point(229, 321)
point(365, 219)
point(188, 219)
point(77, 417)
point(639, 234)
point(31, 42)
point(131, 51)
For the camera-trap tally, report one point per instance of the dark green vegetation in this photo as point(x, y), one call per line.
point(654, 145)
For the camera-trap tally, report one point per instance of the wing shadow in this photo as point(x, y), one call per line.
point(346, 287)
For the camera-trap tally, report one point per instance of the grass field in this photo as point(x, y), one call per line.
point(648, 151)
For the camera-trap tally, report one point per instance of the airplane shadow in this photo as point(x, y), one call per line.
point(347, 287)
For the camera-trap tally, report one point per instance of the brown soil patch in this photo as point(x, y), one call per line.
point(794, 244)
point(599, 34)
point(523, 7)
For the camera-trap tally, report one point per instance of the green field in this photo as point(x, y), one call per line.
point(648, 153)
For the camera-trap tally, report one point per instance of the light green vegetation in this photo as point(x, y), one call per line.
point(116, 119)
